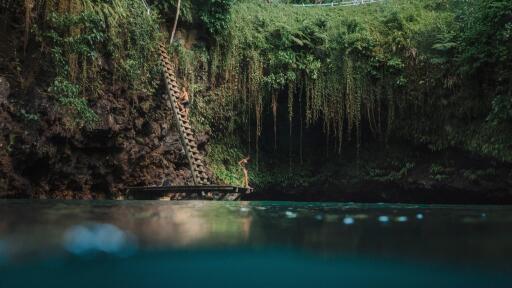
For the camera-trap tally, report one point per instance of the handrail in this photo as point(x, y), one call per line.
point(341, 3)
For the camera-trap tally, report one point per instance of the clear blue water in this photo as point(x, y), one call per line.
point(252, 244)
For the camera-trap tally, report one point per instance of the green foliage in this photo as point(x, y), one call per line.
point(387, 68)
point(29, 117)
point(11, 144)
point(487, 35)
point(501, 110)
point(396, 171)
point(478, 175)
point(344, 65)
point(93, 44)
point(215, 15)
point(280, 178)
point(211, 15)
point(438, 172)
point(485, 58)
point(68, 96)
point(432, 72)
point(167, 9)
point(223, 160)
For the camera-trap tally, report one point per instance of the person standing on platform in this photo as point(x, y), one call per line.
point(243, 164)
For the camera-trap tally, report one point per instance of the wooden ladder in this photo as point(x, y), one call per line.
point(187, 136)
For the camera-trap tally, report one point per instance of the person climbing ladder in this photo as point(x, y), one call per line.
point(184, 101)
point(242, 164)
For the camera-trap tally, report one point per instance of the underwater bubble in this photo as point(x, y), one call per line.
point(348, 220)
point(290, 214)
point(78, 239)
point(244, 209)
point(402, 219)
point(419, 216)
point(383, 219)
point(107, 238)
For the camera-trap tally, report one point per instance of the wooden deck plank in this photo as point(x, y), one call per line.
point(154, 192)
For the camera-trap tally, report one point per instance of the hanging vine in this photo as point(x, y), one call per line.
point(337, 68)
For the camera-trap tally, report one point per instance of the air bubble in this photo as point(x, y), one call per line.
point(401, 219)
point(107, 238)
point(348, 220)
point(383, 219)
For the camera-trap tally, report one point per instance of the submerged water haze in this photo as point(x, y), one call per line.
point(252, 244)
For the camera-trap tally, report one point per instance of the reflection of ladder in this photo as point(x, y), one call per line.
point(187, 136)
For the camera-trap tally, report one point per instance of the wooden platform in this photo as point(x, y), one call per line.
point(157, 192)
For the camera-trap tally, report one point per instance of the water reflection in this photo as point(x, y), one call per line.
point(246, 220)
point(3, 252)
point(424, 233)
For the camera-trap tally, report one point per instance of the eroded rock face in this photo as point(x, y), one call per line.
point(5, 90)
point(131, 145)
point(12, 185)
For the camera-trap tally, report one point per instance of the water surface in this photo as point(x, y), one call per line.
point(253, 244)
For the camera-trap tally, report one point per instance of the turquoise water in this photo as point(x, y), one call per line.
point(252, 244)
